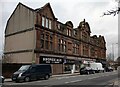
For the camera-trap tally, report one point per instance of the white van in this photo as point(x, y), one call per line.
point(97, 67)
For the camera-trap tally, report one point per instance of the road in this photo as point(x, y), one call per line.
point(97, 80)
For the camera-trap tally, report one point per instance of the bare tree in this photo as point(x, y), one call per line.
point(115, 11)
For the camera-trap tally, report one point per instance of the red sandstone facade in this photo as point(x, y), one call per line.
point(62, 45)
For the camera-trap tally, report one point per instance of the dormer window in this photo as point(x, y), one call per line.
point(46, 22)
point(75, 32)
point(69, 32)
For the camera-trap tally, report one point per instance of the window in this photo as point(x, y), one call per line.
point(58, 26)
point(93, 51)
point(50, 24)
point(43, 21)
point(64, 46)
point(85, 50)
point(46, 23)
point(76, 48)
point(84, 36)
point(42, 40)
point(69, 32)
point(51, 42)
point(75, 32)
point(61, 45)
point(47, 41)
point(69, 46)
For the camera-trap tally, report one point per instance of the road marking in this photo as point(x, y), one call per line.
point(67, 82)
point(67, 77)
point(62, 77)
point(73, 81)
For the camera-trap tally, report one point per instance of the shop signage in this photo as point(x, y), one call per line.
point(51, 60)
point(68, 61)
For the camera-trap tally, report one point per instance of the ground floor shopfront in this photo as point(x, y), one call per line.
point(64, 64)
point(60, 63)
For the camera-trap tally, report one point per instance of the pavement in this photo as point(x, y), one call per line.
point(116, 83)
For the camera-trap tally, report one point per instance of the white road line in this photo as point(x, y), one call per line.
point(62, 77)
point(67, 82)
point(73, 81)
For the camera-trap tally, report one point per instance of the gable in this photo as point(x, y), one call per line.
point(46, 10)
point(22, 18)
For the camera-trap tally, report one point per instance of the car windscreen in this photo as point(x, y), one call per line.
point(24, 67)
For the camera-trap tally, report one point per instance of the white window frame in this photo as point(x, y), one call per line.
point(43, 21)
point(50, 24)
point(47, 23)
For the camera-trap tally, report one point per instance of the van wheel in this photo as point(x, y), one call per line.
point(46, 77)
point(27, 79)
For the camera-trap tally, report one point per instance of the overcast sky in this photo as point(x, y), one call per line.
point(75, 11)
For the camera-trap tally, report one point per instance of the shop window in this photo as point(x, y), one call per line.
point(68, 67)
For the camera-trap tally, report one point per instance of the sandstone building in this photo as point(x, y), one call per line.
point(36, 36)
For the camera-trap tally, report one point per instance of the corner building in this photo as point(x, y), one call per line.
point(36, 36)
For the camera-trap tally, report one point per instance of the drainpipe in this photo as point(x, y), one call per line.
point(34, 39)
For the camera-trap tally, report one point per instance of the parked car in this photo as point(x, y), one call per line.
point(108, 69)
point(86, 70)
point(2, 79)
point(32, 72)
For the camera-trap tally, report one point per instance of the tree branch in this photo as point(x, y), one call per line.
point(114, 12)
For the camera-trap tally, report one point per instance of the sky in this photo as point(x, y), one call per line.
point(75, 11)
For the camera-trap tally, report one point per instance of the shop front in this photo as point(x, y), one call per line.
point(60, 65)
point(55, 62)
point(71, 66)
